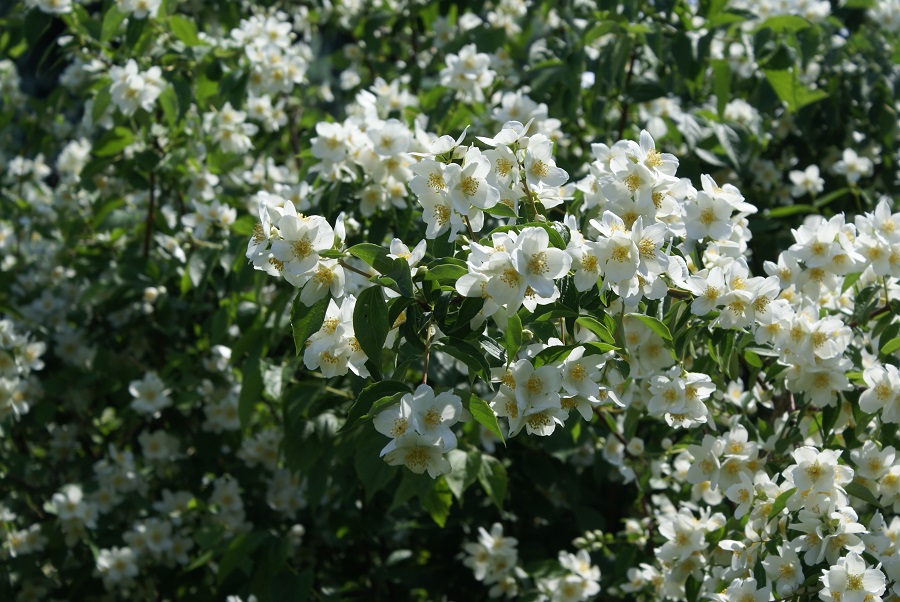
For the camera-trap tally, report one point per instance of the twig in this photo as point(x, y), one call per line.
point(151, 208)
point(623, 120)
point(881, 310)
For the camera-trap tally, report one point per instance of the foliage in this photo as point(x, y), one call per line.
point(407, 300)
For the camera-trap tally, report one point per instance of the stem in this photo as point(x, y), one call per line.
point(469, 228)
point(151, 208)
point(427, 352)
point(881, 310)
point(349, 267)
point(623, 121)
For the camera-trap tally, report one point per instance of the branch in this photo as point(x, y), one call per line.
point(151, 208)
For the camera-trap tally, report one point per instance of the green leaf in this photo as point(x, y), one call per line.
point(483, 414)
point(468, 354)
point(251, 387)
point(784, 24)
point(437, 500)
point(492, 476)
point(791, 90)
point(721, 84)
point(597, 328)
point(306, 321)
point(368, 397)
point(111, 21)
point(513, 336)
point(196, 268)
point(501, 210)
point(860, 491)
point(373, 472)
point(375, 256)
point(36, 23)
point(790, 210)
point(113, 142)
point(134, 31)
point(184, 29)
point(168, 100)
point(891, 346)
point(101, 102)
point(780, 502)
point(238, 554)
point(446, 273)
point(401, 275)
point(752, 359)
point(831, 196)
point(850, 280)
point(464, 469)
point(370, 325)
point(654, 325)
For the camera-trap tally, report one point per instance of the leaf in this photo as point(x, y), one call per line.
point(464, 469)
point(184, 29)
point(251, 387)
point(101, 102)
point(196, 268)
point(370, 325)
point(111, 22)
point(780, 502)
point(654, 325)
point(831, 196)
point(860, 491)
point(483, 414)
point(501, 210)
point(552, 355)
point(790, 210)
point(375, 256)
point(513, 336)
point(850, 280)
point(891, 346)
point(368, 397)
point(168, 100)
point(134, 31)
point(597, 328)
point(306, 321)
point(752, 359)
point(437, 500)
point(791, 90)
point(446, 273)
point(373, 472)
point(401, 274)
point(468, 354)
point(784, 24)
point(238, 553)
point(721, 84)
point(492, 476)
point(113, 141)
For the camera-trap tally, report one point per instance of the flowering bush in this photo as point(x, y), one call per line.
point(411, 301)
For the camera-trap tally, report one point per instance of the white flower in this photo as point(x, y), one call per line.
point(150, 394)
point(883, 392)
point(785, 569)
point(853, 166)
point(419, 453)
point(537, 262)
point(851, 580)
point(806, 182)
point(540, 168)
point(434, 414)
point(117, 566)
